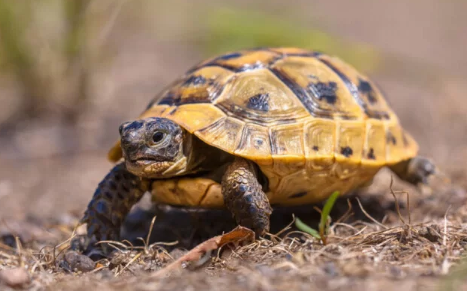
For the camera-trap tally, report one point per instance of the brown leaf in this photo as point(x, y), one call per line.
point(198, 253)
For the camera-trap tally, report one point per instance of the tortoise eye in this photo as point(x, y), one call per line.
point(158, 136)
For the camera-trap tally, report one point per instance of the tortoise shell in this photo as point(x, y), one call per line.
point(312, 123)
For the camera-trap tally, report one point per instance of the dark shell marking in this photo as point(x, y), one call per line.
point(371, 154)
point(311, 96)
point(306, 100)
point(195, 80)
point(169, 99)
point(243, 68)
point(258, 142)
point(390, 138)
point(229, 56)
point(326, 91)
point(152, 102)
point(404, 139)
point(315, 148)
point(378, 114)
point(356, 93)
point(298, 195)
point(365, 88)
point(175, 99)
point(259, 102)
point(346, 151)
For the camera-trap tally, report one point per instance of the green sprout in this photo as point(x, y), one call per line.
point(324, 220)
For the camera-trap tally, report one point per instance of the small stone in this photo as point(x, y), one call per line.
point(77, 262)
point(396, 272)
point(354, 268)
point(331, 269)
point(16, 277)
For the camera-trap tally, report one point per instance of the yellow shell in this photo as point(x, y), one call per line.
point(311, 122)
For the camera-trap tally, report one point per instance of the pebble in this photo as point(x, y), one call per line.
point(77, 262)
point(16, 277)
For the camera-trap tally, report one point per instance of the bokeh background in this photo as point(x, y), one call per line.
point(72, 71)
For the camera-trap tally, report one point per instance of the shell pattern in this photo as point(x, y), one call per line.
point(311, 122)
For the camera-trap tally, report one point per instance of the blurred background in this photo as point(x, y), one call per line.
point(72, 71)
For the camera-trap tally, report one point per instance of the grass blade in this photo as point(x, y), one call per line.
point(325, 214)
point(305, 228)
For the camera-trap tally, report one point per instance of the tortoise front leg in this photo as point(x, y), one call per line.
point(112, 201)
point(244, 196)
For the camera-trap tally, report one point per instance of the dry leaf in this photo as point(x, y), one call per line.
point(197, 256)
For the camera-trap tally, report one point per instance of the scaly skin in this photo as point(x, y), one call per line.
point(112, 201)
point(244, 196)
point(415, 171)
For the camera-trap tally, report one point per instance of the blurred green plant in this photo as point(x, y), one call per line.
point(14, 54)
point(75, 54)
point(324, 220)
point(44, 45)
point(306, 228)
point(456, 277)
point(230, 29)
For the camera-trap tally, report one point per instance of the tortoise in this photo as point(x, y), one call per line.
point(252, 129)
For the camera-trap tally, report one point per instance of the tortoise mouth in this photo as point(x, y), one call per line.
point(148, 167)
point(144, 160)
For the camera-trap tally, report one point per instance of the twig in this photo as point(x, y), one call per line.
point(149, 233)
point(396, 201)
point(445, 225)
point(408, 207)
point(129, 263)
point(113, 242)
point(19, 251)
point(309, 236)
point(287, 227)
point(369, 216)
point(347, 214)
point(129, 243)
point(317, 209)
point(54, 256)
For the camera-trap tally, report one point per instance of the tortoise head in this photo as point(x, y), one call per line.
point(153, 147)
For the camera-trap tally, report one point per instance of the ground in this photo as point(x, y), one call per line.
point(49, 169)
point(371, 245)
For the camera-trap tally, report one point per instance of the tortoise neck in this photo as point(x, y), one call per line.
point(202, 157)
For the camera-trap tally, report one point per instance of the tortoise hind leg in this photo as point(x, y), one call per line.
point(112, 201)
point(244, 196)
point(415, 170)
